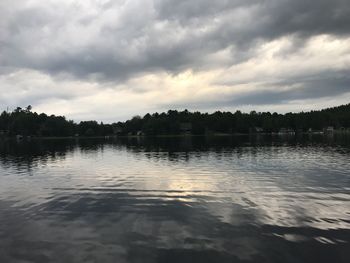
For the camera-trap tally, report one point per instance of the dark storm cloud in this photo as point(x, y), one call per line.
point(272, 17)
point(116, 45)
point(265, 19)
point(134, 45)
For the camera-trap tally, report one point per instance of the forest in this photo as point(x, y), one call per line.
point(26, 122)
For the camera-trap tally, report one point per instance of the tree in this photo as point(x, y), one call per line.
point(28, 108)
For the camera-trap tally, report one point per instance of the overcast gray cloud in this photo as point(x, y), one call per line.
point(110, 44)
point(298, 89)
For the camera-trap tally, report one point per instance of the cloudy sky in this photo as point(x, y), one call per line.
point(110, 60)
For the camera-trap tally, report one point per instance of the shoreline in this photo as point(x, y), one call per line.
point(28, 138)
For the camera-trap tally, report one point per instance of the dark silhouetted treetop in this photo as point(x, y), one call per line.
point(26, 122)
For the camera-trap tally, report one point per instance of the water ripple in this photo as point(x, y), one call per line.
point(96, 201)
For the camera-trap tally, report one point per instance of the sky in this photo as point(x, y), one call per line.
point(111, 60)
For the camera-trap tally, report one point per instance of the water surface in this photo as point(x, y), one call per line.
point(224, 199)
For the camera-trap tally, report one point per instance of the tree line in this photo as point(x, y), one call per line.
point(25, 122)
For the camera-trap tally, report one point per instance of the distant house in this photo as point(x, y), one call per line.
point(256, 130)
point(311, 131)
point(186, 127)
point(286, 131)
point(117, 130)
point(4, 132)
point(328, 130)
point(139, 133)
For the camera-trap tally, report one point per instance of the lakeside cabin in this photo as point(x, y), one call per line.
point(4, 132)
point(328, 130)
point(139, 133)
point(186, 127)
point(117, 131)
point(286, 131)
point(256, 130)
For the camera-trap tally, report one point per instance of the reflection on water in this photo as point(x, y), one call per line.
point(224, 199)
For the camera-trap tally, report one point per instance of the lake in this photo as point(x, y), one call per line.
point(190, 199)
